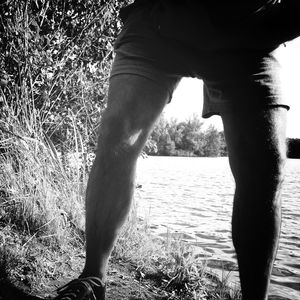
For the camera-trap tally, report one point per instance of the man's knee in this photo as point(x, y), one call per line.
point(134, 103)
point(261, 168)
point(119, 136)
point(257, 148)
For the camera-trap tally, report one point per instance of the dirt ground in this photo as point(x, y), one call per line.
point(121, 285)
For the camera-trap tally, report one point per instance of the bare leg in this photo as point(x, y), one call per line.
point(257, 151)
point(134, 103)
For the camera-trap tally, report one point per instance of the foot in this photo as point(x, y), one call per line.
point(89, 288)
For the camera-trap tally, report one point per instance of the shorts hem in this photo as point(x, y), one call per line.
point(207, 113)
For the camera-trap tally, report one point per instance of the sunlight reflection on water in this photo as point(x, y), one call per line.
point(193, 197)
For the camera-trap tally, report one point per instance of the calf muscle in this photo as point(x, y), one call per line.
point(257, 154)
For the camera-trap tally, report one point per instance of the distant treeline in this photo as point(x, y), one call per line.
point(293, 148)
point(189, 138)
point(186, 138)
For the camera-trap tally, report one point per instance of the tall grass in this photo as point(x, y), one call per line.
point(52, 93)
point(42, 225)
point(41, 207)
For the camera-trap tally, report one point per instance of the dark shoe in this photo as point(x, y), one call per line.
point(89, 288)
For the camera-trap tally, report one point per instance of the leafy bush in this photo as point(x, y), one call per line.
point(55, 59)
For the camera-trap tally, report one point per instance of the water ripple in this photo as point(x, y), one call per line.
point(192, 198)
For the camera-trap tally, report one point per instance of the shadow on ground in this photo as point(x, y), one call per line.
point(8, 291)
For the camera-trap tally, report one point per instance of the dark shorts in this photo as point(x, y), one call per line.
point(235, 78)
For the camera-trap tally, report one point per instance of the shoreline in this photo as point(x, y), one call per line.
point(36, 268)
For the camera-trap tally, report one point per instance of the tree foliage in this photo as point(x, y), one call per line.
point(55, 57)
point(187, 138)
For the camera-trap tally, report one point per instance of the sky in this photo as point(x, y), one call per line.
point(188, 97)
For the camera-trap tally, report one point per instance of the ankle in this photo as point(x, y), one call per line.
point(86, 273)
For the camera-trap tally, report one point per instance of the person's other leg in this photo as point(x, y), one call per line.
point(134, 103)
point(257, 152)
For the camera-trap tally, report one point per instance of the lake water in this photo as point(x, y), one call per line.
point(192, 198)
